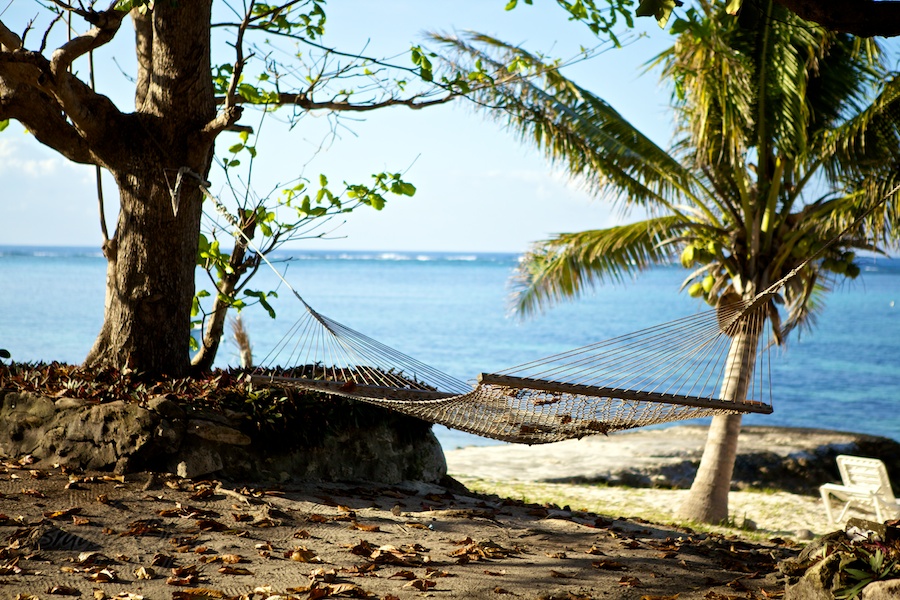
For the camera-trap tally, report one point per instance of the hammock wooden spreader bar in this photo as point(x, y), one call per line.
point(744, 406)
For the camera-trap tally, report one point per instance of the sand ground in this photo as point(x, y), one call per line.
point(157, 537)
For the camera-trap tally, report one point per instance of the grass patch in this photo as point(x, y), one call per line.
point(654, 505)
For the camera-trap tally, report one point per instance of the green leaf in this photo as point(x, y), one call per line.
point(679, 26)
point(4, 123)
point(733, 6)
point(236, 148)
point(261, 296)
point(511, 4)
point(5, 353)
point(661, 9)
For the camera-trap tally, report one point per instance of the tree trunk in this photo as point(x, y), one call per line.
point(150, 280)
point(227, 288)
point(152, 255)
point(707, 501)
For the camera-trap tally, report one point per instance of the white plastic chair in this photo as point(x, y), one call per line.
point(865, 487)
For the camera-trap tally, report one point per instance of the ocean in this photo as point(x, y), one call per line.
point(450, 310)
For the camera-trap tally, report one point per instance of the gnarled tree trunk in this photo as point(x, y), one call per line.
point(152, 255)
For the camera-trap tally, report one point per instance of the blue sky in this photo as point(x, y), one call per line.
point(479, 188)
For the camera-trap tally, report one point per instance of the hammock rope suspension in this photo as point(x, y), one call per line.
point(665, 373)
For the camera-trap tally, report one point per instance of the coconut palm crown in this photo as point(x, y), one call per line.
point(785, 135)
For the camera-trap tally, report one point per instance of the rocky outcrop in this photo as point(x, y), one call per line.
point(839, 565)
point(162, 436)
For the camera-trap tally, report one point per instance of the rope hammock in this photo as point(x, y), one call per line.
point(665, 373)
point(692, 367)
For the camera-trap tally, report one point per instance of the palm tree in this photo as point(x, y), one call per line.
point(785, 135)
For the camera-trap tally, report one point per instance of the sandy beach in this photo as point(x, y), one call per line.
point(577, 473)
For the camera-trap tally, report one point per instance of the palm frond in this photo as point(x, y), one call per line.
point(565, 266)
point(867, 144)
point(569, 124)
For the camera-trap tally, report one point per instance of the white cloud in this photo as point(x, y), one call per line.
point(27, 160)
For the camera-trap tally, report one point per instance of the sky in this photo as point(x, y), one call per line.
point(479, 188)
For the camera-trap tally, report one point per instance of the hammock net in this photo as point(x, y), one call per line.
point(670, 372)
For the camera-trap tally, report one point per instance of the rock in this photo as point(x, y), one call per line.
point(359, 444)
point(165, 407)
point(198, 459)
point(818, 583)
point(213, 432)
point(374, 453)
point(91, 436)
point(881, 590)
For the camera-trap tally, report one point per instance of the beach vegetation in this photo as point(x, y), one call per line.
point(784, 163)
point(231, 252)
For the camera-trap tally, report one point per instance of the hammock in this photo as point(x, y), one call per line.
point(665, 373)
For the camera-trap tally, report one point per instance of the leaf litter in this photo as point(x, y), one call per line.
point(216, 548)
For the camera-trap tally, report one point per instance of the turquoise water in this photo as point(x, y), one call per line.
point(449, 310)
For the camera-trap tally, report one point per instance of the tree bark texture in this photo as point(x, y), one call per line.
point(152, 255)
point(707, 501)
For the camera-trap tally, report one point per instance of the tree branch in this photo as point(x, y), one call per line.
point(865, 18)
point(106, 24)
point(306, 103)
point(9, 41)
point(40, 114)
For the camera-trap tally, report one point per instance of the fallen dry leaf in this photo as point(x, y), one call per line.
point(229, 570)
point(103, 576)
point(403, 575)
point(144, 573)
point(63, 590)
point(198, 594)
point(609, 565)
point(303, 554)
point(58, 514)
point(423, 585)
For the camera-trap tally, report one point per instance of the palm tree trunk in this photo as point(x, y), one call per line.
point(707, 501)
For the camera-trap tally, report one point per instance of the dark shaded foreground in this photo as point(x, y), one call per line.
point(95, 535)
